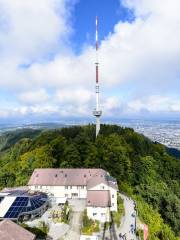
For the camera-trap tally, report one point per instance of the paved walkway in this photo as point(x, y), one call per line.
point(56, 230)
point(127, 224)
point(77, 207)
point(75, 225)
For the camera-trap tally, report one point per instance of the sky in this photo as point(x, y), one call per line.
point(47, 56)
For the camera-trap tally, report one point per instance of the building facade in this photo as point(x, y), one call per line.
point(95, 185)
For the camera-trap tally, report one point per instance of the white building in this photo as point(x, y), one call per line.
point(95, 185)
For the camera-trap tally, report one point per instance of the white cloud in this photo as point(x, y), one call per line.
point(31, 28)
point(74, 96)
point(155, 104)
point(111, 103)
point(142, 57)
point(144, 53)
point(30, 32)
point(33, 97)
point(4, 113)
point(71, 105)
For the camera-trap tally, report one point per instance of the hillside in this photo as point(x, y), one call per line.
point(8, 139)
point(143, 169)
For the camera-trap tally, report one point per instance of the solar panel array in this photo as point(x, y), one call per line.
point(24, 205)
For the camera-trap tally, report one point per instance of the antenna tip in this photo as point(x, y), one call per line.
point(96, 19)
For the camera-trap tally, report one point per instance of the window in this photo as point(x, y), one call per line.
point(102, 187)
point(74, 194)
point(82, 187)
point(36, 187)
point(112, 204)
point(102, 214)
point(94, 214)
point(66, 195)
point(112, 195)
point(66, 187)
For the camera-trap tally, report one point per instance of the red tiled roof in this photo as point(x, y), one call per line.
point(11, 231)
point(64, 177)
point(94, 181)
point(98, 199)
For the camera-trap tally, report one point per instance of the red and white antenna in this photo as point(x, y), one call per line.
point(97, 112)
point(97, 45)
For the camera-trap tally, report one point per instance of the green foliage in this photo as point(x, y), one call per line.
point(118, 215)
point(8, 139)
point(89, 226)
point(142, 168)
point(65, 215)
point(140, 233)
point(41, 231)
point(157, 228)
point(44, 227)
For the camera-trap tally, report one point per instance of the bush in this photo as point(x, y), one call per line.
point(89, 225)
point(40, 232)
point(118, 215)
point(65, 214)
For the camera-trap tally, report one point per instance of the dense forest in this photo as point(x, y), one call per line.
point(143, 169)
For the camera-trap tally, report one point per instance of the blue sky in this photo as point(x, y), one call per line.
point(108, 12)
point(47, 57)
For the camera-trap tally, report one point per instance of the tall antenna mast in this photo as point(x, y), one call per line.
point(97, 112)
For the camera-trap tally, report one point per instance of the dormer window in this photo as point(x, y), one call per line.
point(85, 175)
point(65, 175)
point(56, 175)
point(37, 175)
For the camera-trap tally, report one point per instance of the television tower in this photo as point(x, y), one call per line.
point(97, 112)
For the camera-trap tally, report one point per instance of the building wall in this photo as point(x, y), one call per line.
point(100, 186)
point(113, 194)
point(62, 191)
point(99, 213)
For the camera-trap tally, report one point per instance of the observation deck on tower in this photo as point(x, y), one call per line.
point(97, 113)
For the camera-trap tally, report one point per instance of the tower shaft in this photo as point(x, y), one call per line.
point(97, 112)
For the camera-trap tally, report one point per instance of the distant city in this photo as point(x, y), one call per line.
point(165, 132)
